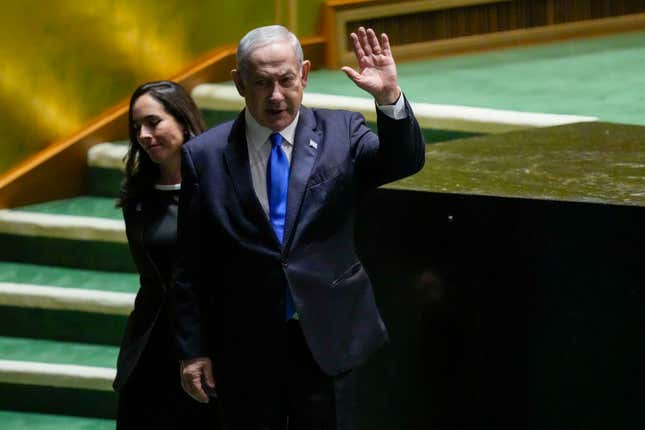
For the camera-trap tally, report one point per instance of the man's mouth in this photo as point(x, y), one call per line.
point(275, 111)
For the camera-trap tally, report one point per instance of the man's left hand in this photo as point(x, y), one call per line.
point(377, 69)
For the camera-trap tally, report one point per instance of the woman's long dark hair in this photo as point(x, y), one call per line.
point(141, 172)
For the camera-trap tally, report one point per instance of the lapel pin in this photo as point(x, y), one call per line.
point(313, 144)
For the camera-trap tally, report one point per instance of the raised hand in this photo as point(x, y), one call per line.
point(377, 69)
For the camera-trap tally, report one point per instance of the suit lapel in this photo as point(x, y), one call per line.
point(237, 161)
point(305, 152)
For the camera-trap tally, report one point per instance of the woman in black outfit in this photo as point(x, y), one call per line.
point(162, 117)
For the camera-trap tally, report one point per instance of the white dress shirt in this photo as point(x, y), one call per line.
point(259, 146)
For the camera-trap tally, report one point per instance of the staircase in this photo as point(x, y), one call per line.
point(67, 284)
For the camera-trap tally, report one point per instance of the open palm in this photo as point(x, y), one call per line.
point(377, 69)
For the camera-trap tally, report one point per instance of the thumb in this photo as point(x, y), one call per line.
point(351, 73)
point(208, 374)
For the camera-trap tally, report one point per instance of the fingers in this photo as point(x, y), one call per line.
point(195, 389)
point(208, 375)
point(351, 73)
point(366, 43)
point(192, 372)
point(358, 50)
point(385, 44)
point(373, 42)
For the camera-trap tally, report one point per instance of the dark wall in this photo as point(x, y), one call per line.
point(504, 313)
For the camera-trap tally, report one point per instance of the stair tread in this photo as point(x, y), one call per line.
point(108, 155)
point(88, 206)
point(64, 277)
point(12, 420)
point(54, 352)
point(224, 97)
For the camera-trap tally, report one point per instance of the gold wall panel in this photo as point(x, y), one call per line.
point(63, 62)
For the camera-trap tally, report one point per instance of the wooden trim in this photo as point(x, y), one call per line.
point(336, 14)
point(339, 4)
point(411, 6)
point(512, 38)
point(60, 170)
point(339, 14)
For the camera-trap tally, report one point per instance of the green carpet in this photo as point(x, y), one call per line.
point(101, 207)
point(105, 182)
point(82, 254)
point(61, 325)
point(31, 421)
point(47, 351)
point(600, 77)
point(56, 276)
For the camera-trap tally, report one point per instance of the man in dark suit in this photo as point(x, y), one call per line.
point(274, 308)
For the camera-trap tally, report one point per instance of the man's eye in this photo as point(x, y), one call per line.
point(287, 81)
point(261, 82)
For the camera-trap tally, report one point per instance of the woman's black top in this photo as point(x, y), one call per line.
point(160, 232)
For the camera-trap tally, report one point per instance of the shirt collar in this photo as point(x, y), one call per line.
point(257, 135)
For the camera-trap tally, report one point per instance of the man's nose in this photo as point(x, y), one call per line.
point(276, 91)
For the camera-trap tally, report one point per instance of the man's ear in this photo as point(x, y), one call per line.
point(237, 78)
point(304, 74)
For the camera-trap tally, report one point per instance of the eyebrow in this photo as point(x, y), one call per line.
point(279, 74)
point(134, 118)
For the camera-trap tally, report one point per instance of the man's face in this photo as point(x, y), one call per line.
point(273, 86)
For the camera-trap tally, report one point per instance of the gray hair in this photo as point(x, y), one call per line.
point(263, 36)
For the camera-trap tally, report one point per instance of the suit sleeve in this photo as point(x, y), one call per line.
point(188, 292)
point(396, 152)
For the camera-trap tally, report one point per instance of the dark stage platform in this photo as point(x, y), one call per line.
point(510, 273)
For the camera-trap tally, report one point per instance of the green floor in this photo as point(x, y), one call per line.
point(101, 207)
point(600, 77)
point(65, 277)
point(10, 420)
point(55, 352)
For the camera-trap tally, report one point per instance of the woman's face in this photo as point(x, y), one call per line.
point(158, 132)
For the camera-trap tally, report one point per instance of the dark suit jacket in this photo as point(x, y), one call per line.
point(232, 270)
point(151, 297)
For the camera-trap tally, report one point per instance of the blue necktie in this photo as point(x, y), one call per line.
point(277, 185)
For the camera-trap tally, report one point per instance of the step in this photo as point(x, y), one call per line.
point(55, 276)
point(106, 168)
point(85, 232)
point(224, 97)
point(102, 208)
point(64, 304)
point(57, 377)
point(57, 364)
point(13, 420)
point(47, 287)
point(79, 218)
